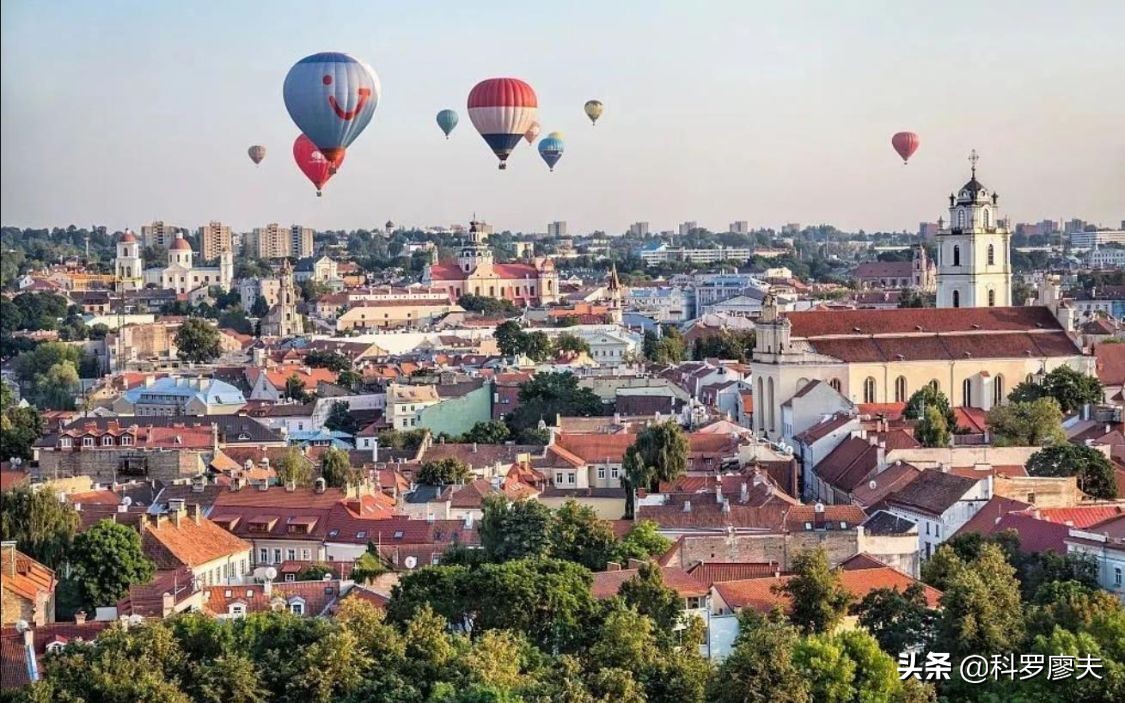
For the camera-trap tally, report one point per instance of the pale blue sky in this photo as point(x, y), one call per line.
point(122, 112)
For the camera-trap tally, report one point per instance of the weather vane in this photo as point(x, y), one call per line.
point(973, 158)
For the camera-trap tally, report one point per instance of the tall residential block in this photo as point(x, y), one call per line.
point(214, 237)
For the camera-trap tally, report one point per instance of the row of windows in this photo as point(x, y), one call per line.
point(290, 555)
point(902, 393)
point(106, 441)
point(991, 298)
point(991, 255)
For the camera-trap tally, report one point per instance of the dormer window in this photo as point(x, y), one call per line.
point(65, 442)
point(55, 647)
point(236, 610)
point(297, 606)
point(107, 440)
point(126, 440)
point(87, 441)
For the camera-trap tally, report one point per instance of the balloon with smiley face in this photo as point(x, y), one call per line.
point(331, 96)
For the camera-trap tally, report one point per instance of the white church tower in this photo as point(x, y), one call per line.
point(974, 269)
point(129, 265)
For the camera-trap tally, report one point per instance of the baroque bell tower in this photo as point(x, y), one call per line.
point(974, 269)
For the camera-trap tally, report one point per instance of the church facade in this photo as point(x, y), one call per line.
point(180, 275)
point(283, 320)
point(973, 347)
point(475, 273)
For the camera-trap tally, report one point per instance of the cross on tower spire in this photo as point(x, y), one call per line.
point(973, 158)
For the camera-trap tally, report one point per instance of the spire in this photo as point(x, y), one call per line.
point(614, 281)
point(973, 158)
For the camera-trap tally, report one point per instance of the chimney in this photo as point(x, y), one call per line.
point(430, 517)
point(687, 506)
point(635, 563)
point(719, 492)
point(375, 451)
point(215, 436)
point(176, 505)
point(236, 483)
point(267, 588)
point(612, 566)
point(943, 467)
point(726, 507)
point(175, 518)
point(744, 492)
point(873, 440)
point(468, 521)
point(80, 617)
point(474, 447)
point(320, 485)
point(196, 513)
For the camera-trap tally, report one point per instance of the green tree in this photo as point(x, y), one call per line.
point(726, 344)
point(1096, 475)
point(231, 678)
point(340, 418)
point(295, 389)
point(929, 396)
point(337, 470)
point(105, 560)
point(546, 396)
point(981, 611)
point(485, 305)
point(539, 346)
point(235, 318)
point(931, 430)
point(293, 468)
point(666, 349)
point(350, 379)
point(20, 427)
point(898, 620)
point(41, 526)
point(197, 341)
point(490, 432)
point(819, 600)
point(659, 453)
point(913, 298)
point(260, 307)
point(315, 572)
point(1034, 424)
point(331, 360)
point(514, 529)
point(642, 541)
point(1071, 389)
point(444, 472)
point(647, 592)
point(568, 342)
point(578, 535)
point(511, 338)
point(58, 388)
point(760, 668)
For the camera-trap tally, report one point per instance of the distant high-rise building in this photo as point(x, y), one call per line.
point(791, 228)
point(638, 229)
point(214, 237)
point(687, 227)
point(1075, 225)
point(927, 230)
point(158, 234)
point(274, 242)
point(740, 227)
point(556, 229)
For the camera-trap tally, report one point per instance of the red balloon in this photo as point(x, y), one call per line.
point(905, 143)
point(313, 163)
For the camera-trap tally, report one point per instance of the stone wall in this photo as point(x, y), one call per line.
point(106, 465)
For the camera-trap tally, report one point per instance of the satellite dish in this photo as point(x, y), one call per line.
point(819, 507)
point(410, 562)
point(126, 501)
point(271, 573)
point(21, 625)
point(871, 484)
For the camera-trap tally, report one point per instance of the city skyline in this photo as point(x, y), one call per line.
point(154, 125)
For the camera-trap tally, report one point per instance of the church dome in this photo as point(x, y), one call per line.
point(128, 238)
point(180, 244)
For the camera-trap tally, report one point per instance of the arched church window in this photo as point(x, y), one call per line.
point(987, 220)
point(967, 393)
point(956, 298)
point(991, 298)
point(835, 383)
point(991, 255)
point(998, 390)
point(956, 255)
point(934, 384)
point(770, 408)
point(900, 389)
point(869, 390)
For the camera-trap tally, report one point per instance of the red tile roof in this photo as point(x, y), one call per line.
point(931, 320)
point(24, 576)
point(1110, 363)
point(759, 593)
point(1082, 516)
point(188, 542)
point(317, 596)
point(606, 584)
point(849, 464)
point(711, 572)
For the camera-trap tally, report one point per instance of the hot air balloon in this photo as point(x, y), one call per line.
point(557, 135)
point(313, 163)
point(551, 149)
point(447, 120)
point(331, 96)
point(257, 153)
point(594, 110)
point(503, 110)
point(531, 133)
point(905, 143)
